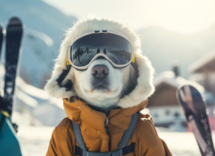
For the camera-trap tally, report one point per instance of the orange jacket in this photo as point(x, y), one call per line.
point(145, 137)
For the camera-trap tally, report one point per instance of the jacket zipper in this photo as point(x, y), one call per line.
point(107, 130)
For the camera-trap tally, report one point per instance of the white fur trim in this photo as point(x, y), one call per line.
point(144, 87)
point(91, 24)
point(54, 89)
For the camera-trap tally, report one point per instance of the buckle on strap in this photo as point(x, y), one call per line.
point(5, 113)
point(122, 149)
point(3, 108)
point(79, 151)
point(119, 152)
point(128, 149)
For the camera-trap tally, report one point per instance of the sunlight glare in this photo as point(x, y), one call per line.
point(182, 16)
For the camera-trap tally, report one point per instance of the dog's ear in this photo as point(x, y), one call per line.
point(68, 84)
point(60, 84)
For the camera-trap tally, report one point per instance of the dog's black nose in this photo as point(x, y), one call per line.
point(100, 71)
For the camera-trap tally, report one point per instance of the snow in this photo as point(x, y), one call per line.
point(34, 141)
point(27, 99)
point(33, 106)
point(31, 90)
point(43, 33)
point(48, 114)
point(181, 144)
point(42, 36)
point(44, 109)
point(168, 77)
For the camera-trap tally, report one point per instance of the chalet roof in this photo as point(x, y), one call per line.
point(168, 77)
point(203, 62)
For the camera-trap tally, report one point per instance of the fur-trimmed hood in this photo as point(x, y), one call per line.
point(144, 87)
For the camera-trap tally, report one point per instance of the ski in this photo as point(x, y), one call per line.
point(1, 99)
point(1, 39)
point(194, 108)
point(12, 51)
point(13, 41)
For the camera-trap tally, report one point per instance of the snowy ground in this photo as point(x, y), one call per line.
point(34, 141)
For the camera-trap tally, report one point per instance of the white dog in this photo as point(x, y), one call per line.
point(105, 82)
point(123, 89)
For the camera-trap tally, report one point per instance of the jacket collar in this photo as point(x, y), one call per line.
point(118, 119)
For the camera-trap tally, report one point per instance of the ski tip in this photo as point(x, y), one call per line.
point(183, 86)
point(189, 89)
point(191, 99)
point(192, 87)
point(14, 22)
point(180, 91)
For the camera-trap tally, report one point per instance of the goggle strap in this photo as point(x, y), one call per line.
point(133, 59)
point(67, 61)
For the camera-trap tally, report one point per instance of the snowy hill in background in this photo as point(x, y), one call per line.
point(45, 27)
point(44, 30)
point(37, 15)
point(165, 47)
point(33, 106)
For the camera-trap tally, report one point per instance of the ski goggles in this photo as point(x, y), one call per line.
point(109, 45)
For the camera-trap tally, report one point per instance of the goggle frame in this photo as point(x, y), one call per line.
point(100, 54)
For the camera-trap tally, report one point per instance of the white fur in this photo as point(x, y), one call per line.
point(144, 87)
point(53, 88)
point(97, 97)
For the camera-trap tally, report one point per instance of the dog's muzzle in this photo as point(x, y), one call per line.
point(100, 72)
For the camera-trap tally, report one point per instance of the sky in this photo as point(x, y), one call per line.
point(182, 16)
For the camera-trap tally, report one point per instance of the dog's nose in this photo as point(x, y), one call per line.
point(100, 71)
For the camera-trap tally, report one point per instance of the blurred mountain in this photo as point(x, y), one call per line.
point(37, 15)
point(164, 48)
point(33, 106)
point(44, 30)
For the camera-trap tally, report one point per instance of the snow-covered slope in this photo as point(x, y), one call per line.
point(33, 106)
point(164, 47)
point(180, 144)
point(44, 30)
point(38, 105)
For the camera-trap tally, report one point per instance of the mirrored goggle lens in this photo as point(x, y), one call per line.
point(116, 48)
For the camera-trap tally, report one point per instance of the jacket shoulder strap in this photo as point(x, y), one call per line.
point(78, 135)
point(129, 132)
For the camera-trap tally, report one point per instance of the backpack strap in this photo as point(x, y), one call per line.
point(122, 149)
point(128, 133)
point(78, 136)
point(120, 152)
